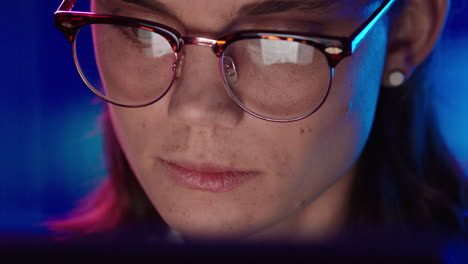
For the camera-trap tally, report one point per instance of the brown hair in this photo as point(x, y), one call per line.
point(118, 203)
point(408, 177)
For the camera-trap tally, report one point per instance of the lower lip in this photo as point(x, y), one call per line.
point(207, 181)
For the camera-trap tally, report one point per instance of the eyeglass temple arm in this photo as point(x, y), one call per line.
point(66, 5)
point(365, 28)
point(67, 29)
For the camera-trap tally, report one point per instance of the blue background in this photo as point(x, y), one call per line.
point(50, 137)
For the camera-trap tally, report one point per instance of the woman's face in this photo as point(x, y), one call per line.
point(213, 171)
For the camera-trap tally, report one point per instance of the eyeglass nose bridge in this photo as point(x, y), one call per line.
point(216, 45)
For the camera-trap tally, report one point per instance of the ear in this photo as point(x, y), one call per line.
point(413, 34)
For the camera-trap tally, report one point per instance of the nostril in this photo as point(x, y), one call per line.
point(229, 69)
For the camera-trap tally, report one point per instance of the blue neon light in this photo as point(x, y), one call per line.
point(357, 40)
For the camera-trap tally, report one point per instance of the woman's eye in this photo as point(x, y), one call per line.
point(136, 36)
point(149, 43)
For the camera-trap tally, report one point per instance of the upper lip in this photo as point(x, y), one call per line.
point(205, 167)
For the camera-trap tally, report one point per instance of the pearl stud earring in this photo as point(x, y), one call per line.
point(396, 78)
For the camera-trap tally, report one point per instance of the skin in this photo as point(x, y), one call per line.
point(305, 168)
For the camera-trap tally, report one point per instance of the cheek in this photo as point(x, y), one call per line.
point(331, 140)
point(135, 132)
point(361, 76)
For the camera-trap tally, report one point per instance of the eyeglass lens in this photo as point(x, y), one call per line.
point(273, 78)
point(126, 65)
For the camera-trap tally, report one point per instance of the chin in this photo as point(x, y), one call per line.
point(210, 227)
point(203, 232)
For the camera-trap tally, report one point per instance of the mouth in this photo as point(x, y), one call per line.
point(207, 176)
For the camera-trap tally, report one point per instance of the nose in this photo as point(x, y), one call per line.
point(198, 97)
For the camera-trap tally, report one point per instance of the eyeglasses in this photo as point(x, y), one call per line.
point(273, 75)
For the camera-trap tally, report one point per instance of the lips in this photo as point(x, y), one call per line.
point(207, 176)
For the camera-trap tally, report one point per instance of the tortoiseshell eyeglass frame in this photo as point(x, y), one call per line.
point(335, 48)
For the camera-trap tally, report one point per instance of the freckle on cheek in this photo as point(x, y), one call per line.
point(302, 131)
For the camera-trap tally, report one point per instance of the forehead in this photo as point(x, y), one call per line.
point(212, 15)
point(242, 7)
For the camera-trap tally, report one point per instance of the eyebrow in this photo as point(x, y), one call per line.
point(254, 9)
point(280, 6)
